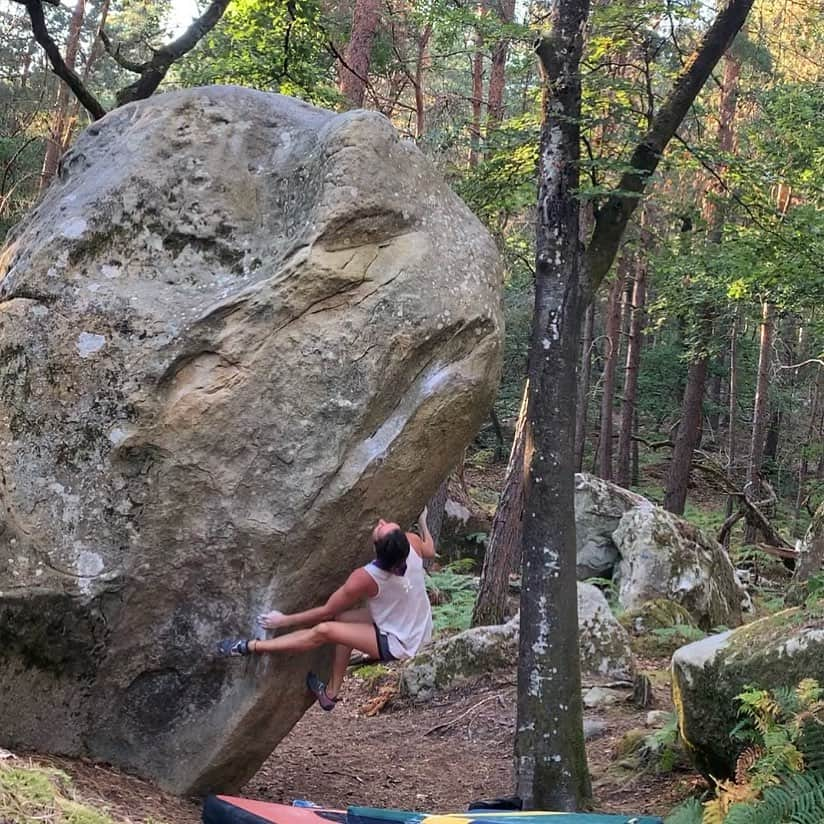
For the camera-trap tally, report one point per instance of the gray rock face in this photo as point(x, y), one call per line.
point(599, 507)
point(777, 651)
point(602, 642)
point(235, 331)
point(663, 556)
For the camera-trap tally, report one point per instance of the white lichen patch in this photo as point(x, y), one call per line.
point(88, 343)
point(118, 435)
point(73, 228)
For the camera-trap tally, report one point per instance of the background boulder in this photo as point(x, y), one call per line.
point(599, 507)
point(664, 556)
point(235, 331)
point(777, 651)
point(602, 641)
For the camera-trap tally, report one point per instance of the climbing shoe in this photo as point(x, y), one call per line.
point(233, 646)
point(318, 689)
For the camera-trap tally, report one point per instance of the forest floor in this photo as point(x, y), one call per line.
point(436, 756)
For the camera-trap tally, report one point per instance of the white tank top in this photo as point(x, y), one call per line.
point(401, 608)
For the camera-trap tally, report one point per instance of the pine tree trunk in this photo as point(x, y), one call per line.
point(633, 362)
point(550, 757)
point(583, 387)
point(497, 71)
point(804, 462)
point(477, 96)
point(613, 336)
point(354, 73)
point(688, 438)
point(435, 510)
point(760, 414)
point(420, 67)
point(504, 548)
point(58, 137)
point(732, 421)
point(810, 558)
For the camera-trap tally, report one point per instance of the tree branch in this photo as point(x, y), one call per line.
point(114, 52)
point(153, 71)
point(67, 75)
point(612, 218)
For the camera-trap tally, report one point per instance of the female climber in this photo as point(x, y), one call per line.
point(395, 623)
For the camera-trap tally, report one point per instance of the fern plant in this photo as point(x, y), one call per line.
point(688, 812)
point(779, 777)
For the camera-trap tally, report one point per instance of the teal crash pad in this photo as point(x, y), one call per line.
point(371, 815)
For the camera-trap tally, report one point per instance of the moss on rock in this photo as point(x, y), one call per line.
point(777, 651)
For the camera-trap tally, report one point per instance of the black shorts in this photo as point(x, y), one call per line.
point(383, 645)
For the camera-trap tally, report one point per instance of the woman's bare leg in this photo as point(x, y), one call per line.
point(340, 661)
point(352, 635)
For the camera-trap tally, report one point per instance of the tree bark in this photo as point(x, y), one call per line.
point(582, 404)
point(420, 68)
point(753, 488)
point(633, 362)
point(477, 95)
point(550, 758)
point(58, 131)
point(804, 462)
point(613, 337)
point(810, 556)
point(504, 547)
point(497, 71)
point(435, 510)
point(732, 423)
point(354, 73)
point(688, 438)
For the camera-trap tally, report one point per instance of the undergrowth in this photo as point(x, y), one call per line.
point(779, 776)
point(30, 795)
point(453, 594)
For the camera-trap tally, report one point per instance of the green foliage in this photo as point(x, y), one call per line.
point(372, 673)
point(465, 566)
point(681, 633)
point(779, 777)
point(799, 799)
point(688, 812)
point(454, 594)
point(663, 748)
point(30, 794)
point(814, 586)
point(271, 46)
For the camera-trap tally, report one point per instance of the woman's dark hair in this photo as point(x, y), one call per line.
point(391, 552)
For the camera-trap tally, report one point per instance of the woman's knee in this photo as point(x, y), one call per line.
point(325, 631)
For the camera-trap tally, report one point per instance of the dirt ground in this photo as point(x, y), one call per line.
point(437, 757)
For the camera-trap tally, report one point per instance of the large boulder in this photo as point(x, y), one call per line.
point(599, 507)
point(773, 652)
point(235, 331)
point(602, 642)
point(664, 556)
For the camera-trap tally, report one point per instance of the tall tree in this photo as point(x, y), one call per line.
point(549, 749)
point(354, 70)
point(505, 538)
point(623, 469)
point(582, 403)
point(505, 10)
point(612, 336)
point(691, 425)
point(59, 131)
point(550, 757)
point(761, 410)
